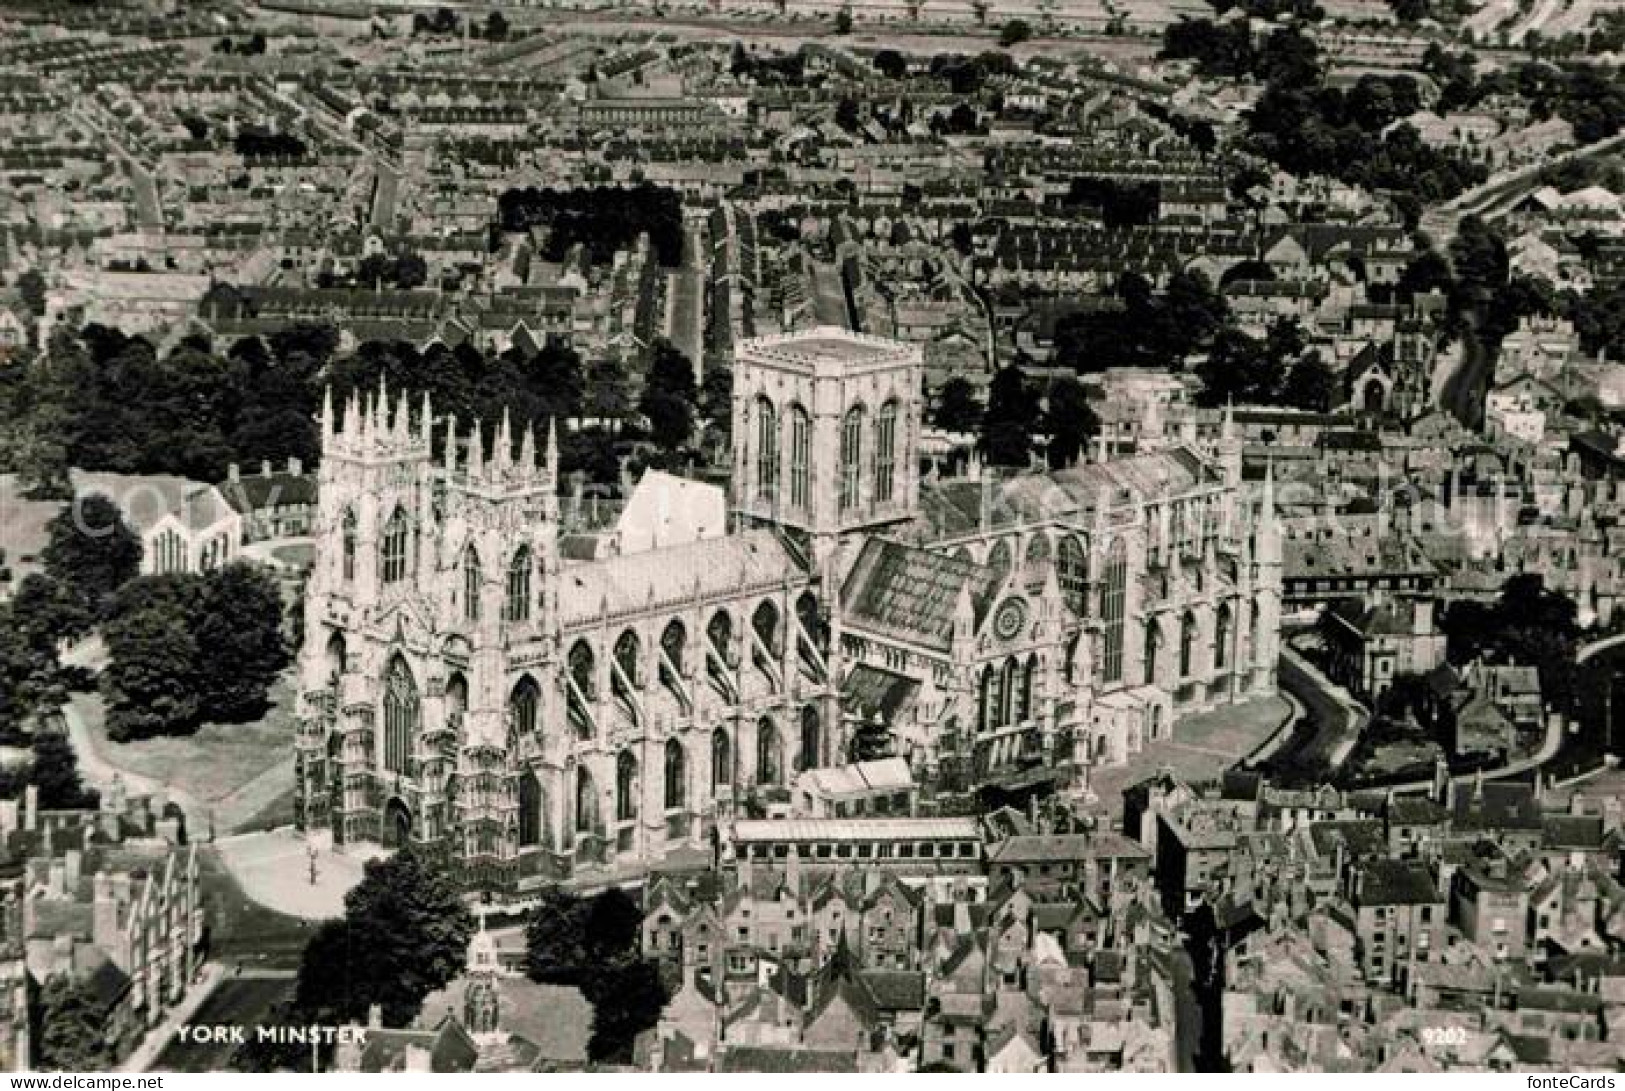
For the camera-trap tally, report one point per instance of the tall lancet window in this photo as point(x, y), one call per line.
point(471, 584)
point(516, 606)
point(767, 449)
point(851, 457)
point(885, 452)
point(400, 715)
point(393, 547)
point(349, 534)
point(800, 456)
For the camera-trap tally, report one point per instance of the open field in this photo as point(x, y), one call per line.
point(233, 772)
point(1202, 748)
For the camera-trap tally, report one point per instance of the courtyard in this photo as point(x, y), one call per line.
point(273, 870)
point(1201, 748)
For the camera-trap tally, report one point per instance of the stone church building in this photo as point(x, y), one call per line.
point(463, 678)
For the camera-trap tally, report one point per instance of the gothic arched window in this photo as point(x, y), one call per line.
point(472, 578)
point(851, 457)
point(530, 810)
point(586, 802)
point(885, 452)
point(522, 705)
point(348, 533)
point(628, 656)
point(1112, 608)
point(721, 758)
point(393, 547)
point(1187, 645)
point(1221, 638)
point(800, 456)
point(516, 606)
point(401, 711)
point(676, 775)
point(626, 787)
point(767, 449)
point(811, 739)
point(1153, 645)
point(769, 757)
point(1072, 573)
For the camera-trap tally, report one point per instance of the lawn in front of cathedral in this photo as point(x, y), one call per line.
point(238, 775)
point(1203, 746)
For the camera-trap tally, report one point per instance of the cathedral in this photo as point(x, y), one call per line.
point(472, 675)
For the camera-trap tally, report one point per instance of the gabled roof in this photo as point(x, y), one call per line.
point(914, 594)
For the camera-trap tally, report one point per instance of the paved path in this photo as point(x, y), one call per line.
point(160, 1037)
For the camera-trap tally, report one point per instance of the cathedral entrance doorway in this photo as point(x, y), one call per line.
point(397, 824)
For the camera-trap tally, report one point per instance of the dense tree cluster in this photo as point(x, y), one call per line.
point(1592, 101)
point(1278, 369)
point(184, 649)
point(1528, 625)
point(1308, 127)
point(255, 142)
point(1120, 204)
point(595, 945)
point(103, 401)
point(603, 220)
point(404, 271)
point(1144, 329)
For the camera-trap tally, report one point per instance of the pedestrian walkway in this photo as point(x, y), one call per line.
point(159, 1037)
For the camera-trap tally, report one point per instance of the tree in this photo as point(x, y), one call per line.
point(669, 397)
point(556, 938)
point(843, 22)
point(1010, 420)
point(891, 64)
point(595, 945)
point(54, 771)
point(404, 934)
point(27, 678)
point(627, 1000)
point(91, 549)
point(31, 289)
point(1310, 384)
point(48, 612)
point(716, 398)
point(1070, 422)
point(1238, 369)
point(1014, 32)
point(151, 681)
point(847, 116)
point(238, 627)
point(73, 1027)
point(957, 408)
point(496, 27)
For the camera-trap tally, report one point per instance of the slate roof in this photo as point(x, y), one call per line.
point(733, 566)
point(1496, 805)
point(1396, 882)
point(913, 594)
